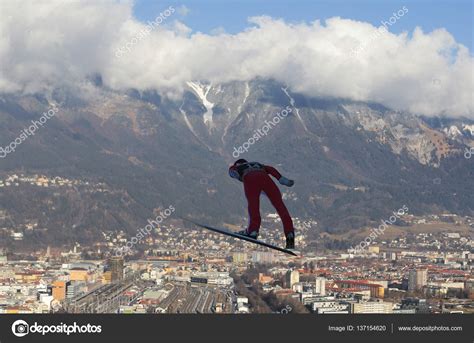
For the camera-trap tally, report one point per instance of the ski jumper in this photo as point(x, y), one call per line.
point(255, 177)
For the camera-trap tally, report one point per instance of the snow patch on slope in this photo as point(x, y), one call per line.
point(398, 136)
point(186, 120)
point(297, 111)
point(190, 127)
point(452, 132)
point(202, 91)
point(469, 128)
point(246, 95)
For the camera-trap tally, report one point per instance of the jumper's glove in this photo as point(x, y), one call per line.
point(286, 182)
point(234, 174)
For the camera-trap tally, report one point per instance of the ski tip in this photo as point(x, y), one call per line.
point(293, 252)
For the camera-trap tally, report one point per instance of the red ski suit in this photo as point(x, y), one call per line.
point(256, 180)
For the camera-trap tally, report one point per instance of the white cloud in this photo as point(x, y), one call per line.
point(55, 42)
point(183, 10)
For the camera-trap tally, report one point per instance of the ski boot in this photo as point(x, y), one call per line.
point(253, 234)
point(290, 241)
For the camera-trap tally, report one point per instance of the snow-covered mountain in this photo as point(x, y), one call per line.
point(353, 162)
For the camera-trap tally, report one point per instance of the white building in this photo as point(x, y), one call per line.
point(292, 278)
point(320, 285)
point(417, 279)
point(372, 307)
point(242, 304)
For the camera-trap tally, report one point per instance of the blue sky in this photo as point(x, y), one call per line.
point(205, 15)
